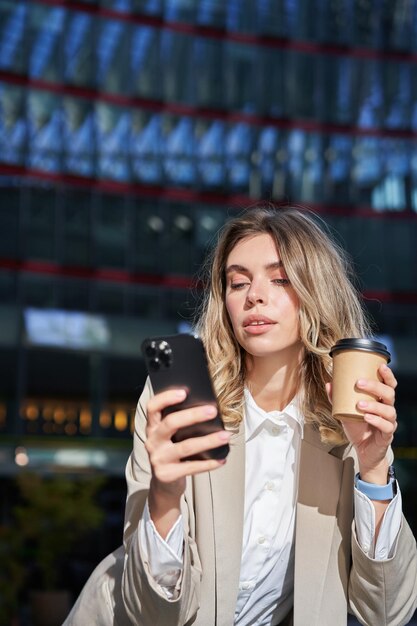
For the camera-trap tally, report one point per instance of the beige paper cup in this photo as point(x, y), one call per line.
point(354, 359)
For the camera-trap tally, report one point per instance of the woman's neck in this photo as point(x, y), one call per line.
point(273, 384)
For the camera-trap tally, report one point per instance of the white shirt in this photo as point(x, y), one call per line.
point(267, 568)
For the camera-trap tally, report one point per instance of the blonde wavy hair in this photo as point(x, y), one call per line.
point(329, 309)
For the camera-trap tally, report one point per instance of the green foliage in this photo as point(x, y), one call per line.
point(54, 514)
point(12, 573)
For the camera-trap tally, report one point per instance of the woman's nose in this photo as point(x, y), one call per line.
point(256, 295)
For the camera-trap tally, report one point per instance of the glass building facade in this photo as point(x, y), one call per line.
point(131, 129)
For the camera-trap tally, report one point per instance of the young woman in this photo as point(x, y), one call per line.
point(279, 533)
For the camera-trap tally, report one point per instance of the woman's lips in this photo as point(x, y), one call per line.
point(257, 326)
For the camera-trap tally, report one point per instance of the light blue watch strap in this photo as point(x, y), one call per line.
point(376, 492)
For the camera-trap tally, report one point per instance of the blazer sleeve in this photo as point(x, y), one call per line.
point(143, 599)
point(384, 592)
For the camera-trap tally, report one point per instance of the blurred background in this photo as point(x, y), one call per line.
point(130, 130)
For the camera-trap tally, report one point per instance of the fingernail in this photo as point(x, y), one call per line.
point(361, 382)
point(210, 411)
point(180, 393)
point(362, 404)
point(224, 435)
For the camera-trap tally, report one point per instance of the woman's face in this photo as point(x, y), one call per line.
point(262, 305)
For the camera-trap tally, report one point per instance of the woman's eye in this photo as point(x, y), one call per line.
point(281, 281)
point(237, 285)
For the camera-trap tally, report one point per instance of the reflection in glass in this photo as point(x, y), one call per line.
point(238, 149)
point(369, 93)
point(397, 94)
point(210, 153)
point(413, 164)
point(241, 15)
point(303, 88)
point(180, 151)
point(338, 157)
point(110, 230)
point(13, 124)
point(145, 62)
point(113, 127)
point(391, 192)
point(334, 21)
point(179, 11)
point(273, 96)
point(78, 137)
point(208, 56)
point(46, 31)
point(146, 147)
point(211, 13)
point(337, 89)
point(296, 145)
point(122, 6)
point(266, 151)
point(242, 76)
point(13, 17)
point(272, 18)
point(179, 77)
point(367, 170)
point(112, 51)
point(149, 7)
point(312, 177)
point(78, 48)
point(45, 131)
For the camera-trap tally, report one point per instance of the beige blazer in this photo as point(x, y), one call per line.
point(332, 574)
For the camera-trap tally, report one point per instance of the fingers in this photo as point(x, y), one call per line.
point(187, 417)
point(171, 472)
point(175, 452)
point(161, 401)
point(166, 456)
point(384, 390)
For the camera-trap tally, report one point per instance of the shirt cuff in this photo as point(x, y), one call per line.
point(389, 529)
point(165, 557)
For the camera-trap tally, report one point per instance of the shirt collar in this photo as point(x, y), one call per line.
point(255, 416)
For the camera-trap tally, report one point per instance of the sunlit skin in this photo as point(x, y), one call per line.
point(264, 312)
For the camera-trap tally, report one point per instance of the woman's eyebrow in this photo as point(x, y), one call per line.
point(241, 268)
point(236, 268)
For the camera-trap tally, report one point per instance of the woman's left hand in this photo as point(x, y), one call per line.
point(373, 436)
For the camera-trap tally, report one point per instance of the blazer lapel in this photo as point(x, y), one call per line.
point(228, 493)
point(318, 495)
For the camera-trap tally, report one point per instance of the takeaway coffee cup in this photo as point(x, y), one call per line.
point(354, 359)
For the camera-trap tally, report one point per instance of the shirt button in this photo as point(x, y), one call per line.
point(245, 585)
point(365, 548)
point(261, 540)
point(269, 485)
point(275, 430)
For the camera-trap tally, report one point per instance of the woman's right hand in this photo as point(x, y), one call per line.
point(168, 470)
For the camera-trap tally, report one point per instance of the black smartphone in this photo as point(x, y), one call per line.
point(180, 362)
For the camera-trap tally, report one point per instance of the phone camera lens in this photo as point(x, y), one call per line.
point(166, 356)
point(155, 364)
point(151, 349)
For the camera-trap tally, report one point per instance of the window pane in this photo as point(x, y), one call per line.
point(13, 36)
point(46, 29)
point(146, 147)
point(78, 49)
point(45, 131)
point(113, 129)
point(13, 124)
point(113, 47)
point(146, 70)
point(78, 137)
